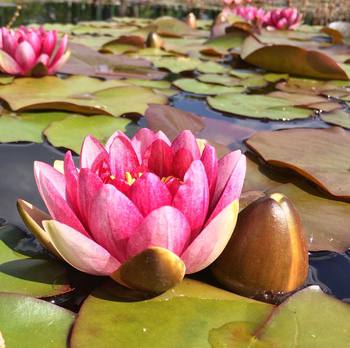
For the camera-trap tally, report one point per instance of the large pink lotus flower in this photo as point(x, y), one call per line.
point(31, 52)
point(282, 19)
point(136, 201)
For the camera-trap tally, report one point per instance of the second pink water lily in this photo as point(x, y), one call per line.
point(174, 203)
point(31, 52)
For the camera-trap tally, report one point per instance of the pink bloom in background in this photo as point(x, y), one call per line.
point(131, 195)
point(28, 51)
point(282, 18)
point(277, 19)
point(250, 14)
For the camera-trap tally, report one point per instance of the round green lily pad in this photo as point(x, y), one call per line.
point(27, 322)
point(257, 106)
point(26, 127)
point(71, 131)
point(307, 319)
point(197, 87)
point(181, 317)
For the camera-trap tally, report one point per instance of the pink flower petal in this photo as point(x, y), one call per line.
point(88, 186)
point(233, 187)
point(35, 41)
point(71, 176)
point(182, 161)
point(192, 198)
point(8, 65)
point(164, 227)
point(113, 218)
point(90, 150)
point(57, 65)
point(226, 166)
point(25, 56)
point(59, 51)
point(141, 141)
point(122, 157)
point(112, 137)
point(49, 42)
point(210, 162)
point(149, 193)
point(159, 158)
point(9, 42)
point(188, 141)
point(211, 242)
point(43, 59)
point(79, 251)
point(162, 136)
point(51, 185)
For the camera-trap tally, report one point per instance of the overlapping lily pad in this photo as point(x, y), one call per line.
point(298, 322)
point(27, 322)
point(338, 118)
point(182, 317)
point(297, 60)
point(79, 94)
point(70, 132)
point(197, 87)
point(257, 106)
point(321, 155)
point(26, 126)
point(22, 274)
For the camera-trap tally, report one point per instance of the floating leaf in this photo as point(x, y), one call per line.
point(5, 80)
point(307, 100)
point(78, 94)
point(169, 26)
point(26, 275)
point(325, 221)
point(258, 106)
point(70, 132)
point(320, 155)
point(176, 64)
point(26, 127)
point(88, 62)
point(338, 118)
point(274, 77)
point(224, 80)
point(311, 86)
point(181, 317)
point(225, 42)
point(297, 60)
point(162, 84)
point(194, 86)
point(211, 68)
point(27, 322)
point(298, 322)
point(171, 120)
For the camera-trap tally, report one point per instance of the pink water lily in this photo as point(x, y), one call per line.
point(282, 19)
point(277, 19)
point(137, 194)
point(31, 52)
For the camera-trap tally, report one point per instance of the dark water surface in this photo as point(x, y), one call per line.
point(328, 269)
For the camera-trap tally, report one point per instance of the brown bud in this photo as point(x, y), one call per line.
point(153, 40)
point(154, 271)
point(191, 20)
point(267, 253)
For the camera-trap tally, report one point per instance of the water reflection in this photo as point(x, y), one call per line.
point(17, 179)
